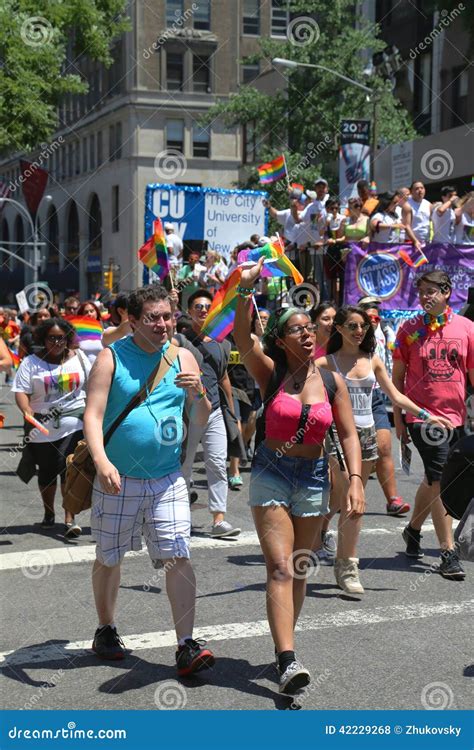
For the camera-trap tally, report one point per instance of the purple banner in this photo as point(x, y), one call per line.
point(377, 270)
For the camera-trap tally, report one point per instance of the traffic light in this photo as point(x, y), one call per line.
point(109, 280)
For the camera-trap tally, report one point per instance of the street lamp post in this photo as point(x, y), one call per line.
point(33, 229)
point(292, 64)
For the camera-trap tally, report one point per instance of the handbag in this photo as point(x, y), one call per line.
point(80, 467)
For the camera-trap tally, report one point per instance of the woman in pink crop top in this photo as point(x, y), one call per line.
point(289, 485)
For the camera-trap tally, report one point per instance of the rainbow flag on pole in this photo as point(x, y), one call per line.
point(87, 329)
point(220, 318)
point(154, 253)
point(14, 358)
point(276, 262)
point(411, 258)
point(273, 170)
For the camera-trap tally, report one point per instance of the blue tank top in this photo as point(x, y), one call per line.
point(147, 445)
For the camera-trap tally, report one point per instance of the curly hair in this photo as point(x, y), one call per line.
point(151, 293)
point(41, 331)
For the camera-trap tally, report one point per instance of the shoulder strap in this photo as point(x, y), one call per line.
point(157, 374)
point(79, 355)
point(329, 383)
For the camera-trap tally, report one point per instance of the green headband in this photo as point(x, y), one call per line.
point(276, 322)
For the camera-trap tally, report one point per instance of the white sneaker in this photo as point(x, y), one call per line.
point(72, 530)
point(222, 529)
point(294, 678)
point(347, 575)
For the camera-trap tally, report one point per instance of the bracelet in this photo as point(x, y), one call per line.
point(355, 475)
point(244, 291)
point(424, 415)
point(201, 394)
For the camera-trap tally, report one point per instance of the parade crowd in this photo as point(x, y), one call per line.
point(302, 393)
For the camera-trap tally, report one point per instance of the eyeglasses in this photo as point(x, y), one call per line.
point(298, 330)
point(56, 339)
point(375, 318)
point(200, 306)
point(72, 308)
point(355, 326)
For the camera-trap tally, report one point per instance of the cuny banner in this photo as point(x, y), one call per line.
point(354, 157)
point(378, 270)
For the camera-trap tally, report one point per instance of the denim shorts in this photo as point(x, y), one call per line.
point(300, 484)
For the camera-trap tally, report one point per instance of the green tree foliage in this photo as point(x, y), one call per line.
point(308, 107)
point(34, 35)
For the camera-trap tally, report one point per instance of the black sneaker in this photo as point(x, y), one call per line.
point(193, 496)
point(412, 539)
point(48, 521)
point(192, 657)
point(107, 643)
point(450, 567)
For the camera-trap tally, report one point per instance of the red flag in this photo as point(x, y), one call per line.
point(33, 182)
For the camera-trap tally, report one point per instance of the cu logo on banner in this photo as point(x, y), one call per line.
point(379, 274)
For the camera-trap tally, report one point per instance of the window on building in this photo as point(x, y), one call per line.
point(459, 102)
point(250, 72)
point(201, 142)
point(62, 170)
point(174, 71)
point(84, 154)
point(77, 157)
point(279, 18)
point(118, 140)
point(111, 142)
point(249, 138)
point(92, 161)
point(202, 15)
point(174, 10)
point(115, 208)
point(100, 152)
point(251, 17)
point(175, 135)
point(202, 73)
point(422, 99)
point(70, 160)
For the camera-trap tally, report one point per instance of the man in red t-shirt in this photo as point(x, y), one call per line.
point(433, 358)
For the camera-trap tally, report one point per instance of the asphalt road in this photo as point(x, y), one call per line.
point(403, 645)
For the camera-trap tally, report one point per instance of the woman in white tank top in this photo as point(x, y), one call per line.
point(350, 352)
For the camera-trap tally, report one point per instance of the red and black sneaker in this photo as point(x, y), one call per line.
point(193, 657)
point(107, 643)
point(397, 507)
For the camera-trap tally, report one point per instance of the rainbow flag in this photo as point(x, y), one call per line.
point(220, 318)
point(154, 253)
point(14, 358)
point(273, 170)
point(86, 328)
point(413, 262)
point(276, 262)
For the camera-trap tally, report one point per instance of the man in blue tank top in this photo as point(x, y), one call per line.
point(139, 489)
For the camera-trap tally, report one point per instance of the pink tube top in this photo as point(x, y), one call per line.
point(287, 419)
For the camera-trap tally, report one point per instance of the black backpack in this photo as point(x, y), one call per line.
point(457, 479)
point(276, 379)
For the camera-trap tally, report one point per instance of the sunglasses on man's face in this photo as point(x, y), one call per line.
point(200, 306)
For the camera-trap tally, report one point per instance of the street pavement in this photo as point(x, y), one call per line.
point(403, 645)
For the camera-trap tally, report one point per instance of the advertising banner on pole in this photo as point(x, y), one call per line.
point(354, 157)
point(222, 218)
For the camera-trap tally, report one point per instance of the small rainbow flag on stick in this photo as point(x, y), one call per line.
point(273, 170)
point(220, 318)
point(411, 259)
point(276, 262)
point(154, 253)
point(86, 328)
point(14, 358)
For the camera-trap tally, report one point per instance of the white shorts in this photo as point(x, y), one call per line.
point(157, 509)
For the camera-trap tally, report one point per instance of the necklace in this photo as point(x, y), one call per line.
point(430, 323)
point(298, 384)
